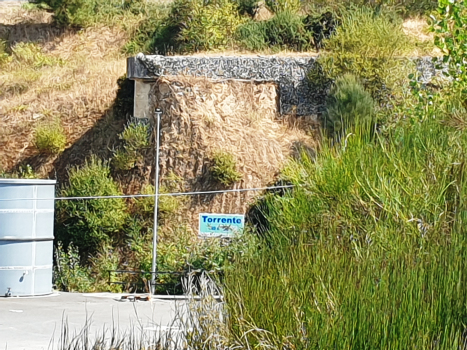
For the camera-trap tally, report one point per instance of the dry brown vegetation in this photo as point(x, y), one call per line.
point(53, 74)
point(71, 76)
point(240, 118)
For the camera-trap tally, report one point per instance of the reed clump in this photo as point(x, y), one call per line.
point(369, 250)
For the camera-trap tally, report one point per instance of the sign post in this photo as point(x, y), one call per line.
point(220, 225)
point(156, 205)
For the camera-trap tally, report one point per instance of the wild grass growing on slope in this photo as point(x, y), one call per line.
point(371, 45)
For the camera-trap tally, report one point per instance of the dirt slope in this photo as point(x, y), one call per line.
point(55, 74)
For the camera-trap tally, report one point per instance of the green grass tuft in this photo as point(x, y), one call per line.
point(223, 168)
point(285, 30)
point(347, 104)
point(50, 138)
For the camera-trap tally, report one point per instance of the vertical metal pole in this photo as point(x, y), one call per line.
point(156, 205)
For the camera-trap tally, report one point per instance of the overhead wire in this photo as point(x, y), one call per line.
point(151, 195)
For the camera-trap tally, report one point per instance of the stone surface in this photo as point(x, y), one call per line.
point(262, 13)
point(289, 73)
point(141, 99)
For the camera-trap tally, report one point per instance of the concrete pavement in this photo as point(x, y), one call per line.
point(36, 323)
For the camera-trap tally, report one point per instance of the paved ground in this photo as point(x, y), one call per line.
point(35, 323)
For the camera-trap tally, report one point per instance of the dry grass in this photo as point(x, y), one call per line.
point(202, 116)
point(77, 82)
point(418, 29)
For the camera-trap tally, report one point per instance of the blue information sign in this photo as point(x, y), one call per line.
point(220, 224)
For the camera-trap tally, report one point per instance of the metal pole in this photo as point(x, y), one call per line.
point(156, 205)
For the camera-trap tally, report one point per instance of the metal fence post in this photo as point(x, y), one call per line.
point(156, 204)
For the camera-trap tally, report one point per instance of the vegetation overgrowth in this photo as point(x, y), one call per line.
point(369, 249)
point(100, 237)
point(184, 26)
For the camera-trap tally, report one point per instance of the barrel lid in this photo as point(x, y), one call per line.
point(27, 182)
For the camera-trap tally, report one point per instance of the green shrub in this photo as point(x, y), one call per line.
point(124, 159)
point(23, 172)
point(69, 275)
point(27, 172)
point(136, 136)
point(106, 259)
point(347, 104)
point(369, 45)
point(451, 35)
point(167, 206)
point(84, 13)
point(283, 31)
point(406, 8)
point(90, 223)
point(247, 6)
point(223, 168)
point(135, 139)
point(143, 33)
point(50, 138)
point(370, 34)
point(183, 253)
point(195, 25)
point(144, 206)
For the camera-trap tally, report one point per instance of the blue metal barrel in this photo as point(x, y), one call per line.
point(26, 236)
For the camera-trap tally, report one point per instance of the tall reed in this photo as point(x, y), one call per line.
point(369, 252)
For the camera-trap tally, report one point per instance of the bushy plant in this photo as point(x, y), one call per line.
point(89, 224)
point(50, 138)
point(451, 34)
point(167, 205)
point(406, 8)
point(223, 168)
point(135, 139)
point(347, 104)
point(181, 254)
point(247, 6)
point(83, 13)
point(369, 45)
point(125, 159)
point(195, 25)
point(136, 135)
point(69, 274)
point(285, 30)
point(102, 266)
point(26, 172)
point(369, 33)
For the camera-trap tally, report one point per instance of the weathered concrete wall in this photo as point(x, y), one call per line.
point(289, 73)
